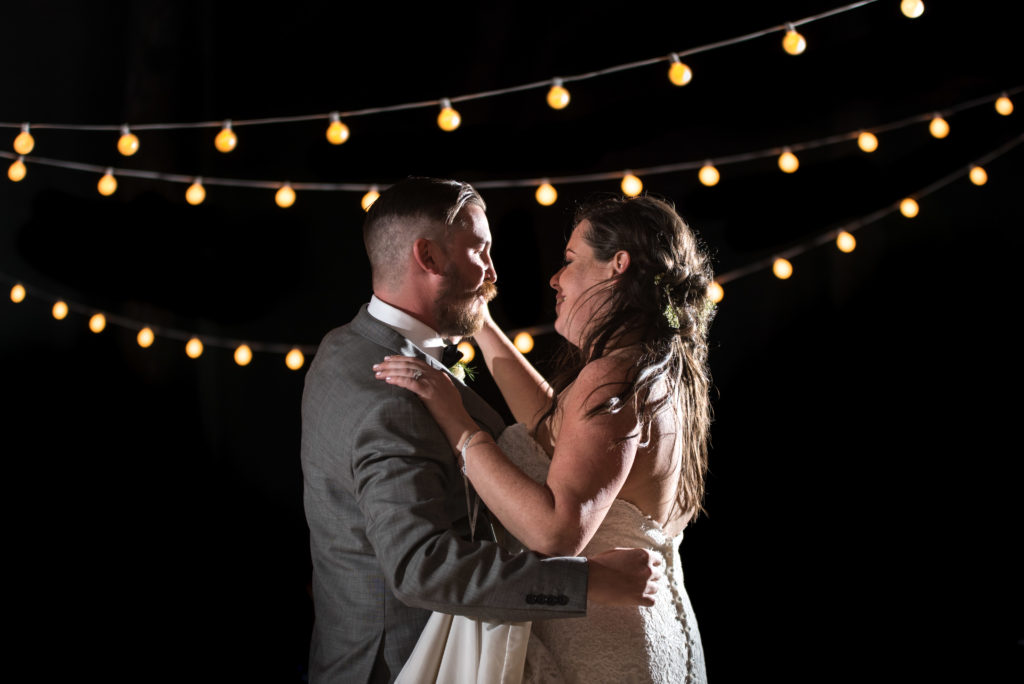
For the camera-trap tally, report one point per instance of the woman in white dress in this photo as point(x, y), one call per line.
point(612, 453)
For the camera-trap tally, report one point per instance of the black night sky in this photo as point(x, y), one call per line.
point(864, 504)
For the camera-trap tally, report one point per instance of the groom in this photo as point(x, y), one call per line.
point(390, 530)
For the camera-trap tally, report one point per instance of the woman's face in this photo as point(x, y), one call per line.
point(578, 285)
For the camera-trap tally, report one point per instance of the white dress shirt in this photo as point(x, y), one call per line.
point(420, 334)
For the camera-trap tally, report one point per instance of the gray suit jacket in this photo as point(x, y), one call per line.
point(389, 531)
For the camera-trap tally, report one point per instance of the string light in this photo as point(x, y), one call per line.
point(523, 342)
point(369, 198)
point(196, 193)
point(194, 348)
point(558, 96)
point(788, 161)
point(226, 139)
point(243, 355)
point(294, 359)
point(631, 185)
point(128, 143)
point(97, 323)
point(715, 292)
point(867, 141)
point(679, 73)
point(846, 242)
point(18, 293)
point(16, 171)
point(448, 119)
point(978, 175)
point(912, 8)
point(793, 42)
point(24, 142)
point(468, 351)
point(59, 310)
point(782, 268)
point(145, 337)
point(909, 207)
point(1004, 105)
point(546, 194)
point(107, 185)
point(938, 127)
point(285, 196)
point(337, 132)
point(708, 175)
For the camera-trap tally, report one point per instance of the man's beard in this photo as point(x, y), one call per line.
point(457, 314)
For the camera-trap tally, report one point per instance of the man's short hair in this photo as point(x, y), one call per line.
point(407, 211)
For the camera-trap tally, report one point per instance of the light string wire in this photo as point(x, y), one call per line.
point(730, 276)
point(236, 123)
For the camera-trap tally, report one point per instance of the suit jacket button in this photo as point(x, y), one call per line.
point(563, 600)
point(531, 599)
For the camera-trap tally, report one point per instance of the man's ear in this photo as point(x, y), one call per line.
point(428, 256)
point(620, 262)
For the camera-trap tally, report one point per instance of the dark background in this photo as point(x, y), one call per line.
point(864, 507)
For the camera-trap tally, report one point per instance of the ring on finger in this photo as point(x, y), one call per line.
point(417, 374)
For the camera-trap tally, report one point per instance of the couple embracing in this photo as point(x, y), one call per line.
point(447, 547)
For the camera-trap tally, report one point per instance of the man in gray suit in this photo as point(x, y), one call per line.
point(391, 525)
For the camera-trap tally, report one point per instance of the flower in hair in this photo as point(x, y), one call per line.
point(670, 312)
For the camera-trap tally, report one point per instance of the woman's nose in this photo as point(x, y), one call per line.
point(554, 280)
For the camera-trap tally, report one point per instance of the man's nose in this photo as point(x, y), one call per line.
point(491, 274)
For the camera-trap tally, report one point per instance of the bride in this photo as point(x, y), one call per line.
point(612, 453)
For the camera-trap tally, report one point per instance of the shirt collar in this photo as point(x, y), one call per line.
point(426, 339)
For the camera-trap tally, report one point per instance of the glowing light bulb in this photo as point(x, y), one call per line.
point(523, 342)
point(194, 348)
point(867, 141)
point(369, 198)
point(546, 194)
point(226, 139)
point(631, 185)
point(24, 142)
point(285, 196)
point(1004, 105)
point(18, 293)
point(558, 96)
point(107, 184)
point(715, 292)
point(337, 132)
point(788, 161)
point(243, 355)
point(912, 8)
point(938, 127)
point(978, 175)
point(708, 175)
point(793, 42)
point(845, 242)
point(468, 351)
point(448, 119)
point(128, 143)
point(97, 323)
point(679, 73)
point(145, 337)
point(909, 208)
point(16, 171)
point(59, 310)
point(782, 268)
point(294, 359)
point(196, 193)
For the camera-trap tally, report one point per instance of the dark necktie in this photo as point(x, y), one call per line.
point(451, 355)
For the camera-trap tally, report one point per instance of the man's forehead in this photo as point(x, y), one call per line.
point(471, 223)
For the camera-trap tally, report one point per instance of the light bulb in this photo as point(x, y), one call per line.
point(788, 162)
point(708, 174)
point(294, 359)
point(978, 175)
point(448, 119)
point(793, 42)
point(337, 132)
point(59, 310)
point(845, 242)
point(715, 292)
point(196, 193)
point(243, 355)
point(18, 293)
point(369, 198)
point(782, 268)
point(523, 342)
point(558, 96)
point(546, 194)
point(631, 185)
point(1004, 105)
point(679, 73)
point(909, 208)
point(24, 142)
point(107, 184)
point(912, 8)
point(226, 139)
point(97, 323)
point(145, 337)
point(867, 141)
point(16, 171)
point(938, 127)
point(468, 351)
point(128, 143)
point(285, 196)
point(194, 348)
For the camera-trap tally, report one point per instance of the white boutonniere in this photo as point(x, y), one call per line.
point(463, 371)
